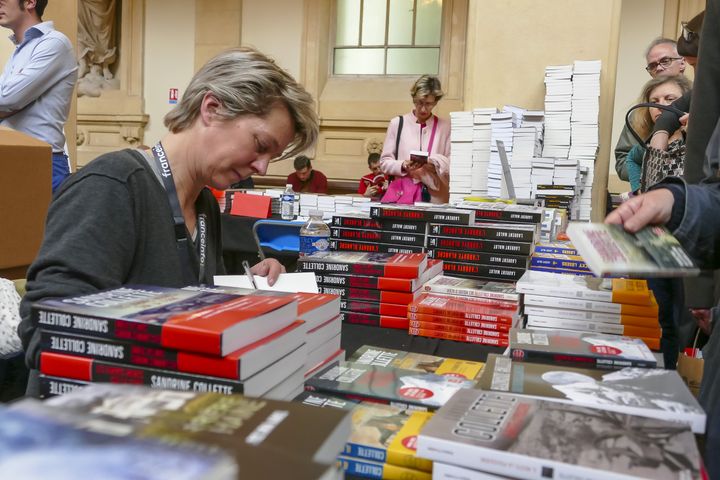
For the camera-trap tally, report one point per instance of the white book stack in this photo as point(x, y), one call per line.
point(482, 135)
point(535, 118)
point(501, 124)
point(326, 204)
point(461, 137)
point(558, 92)
point(584, 126)
point(520, 160)
point(543, 171)
point(343, 203)
point(308, 202)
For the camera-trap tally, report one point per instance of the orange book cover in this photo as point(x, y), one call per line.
point(462, 322)
point(644, 332)
point(632, 291)
point(248, 205)
point(448, 327)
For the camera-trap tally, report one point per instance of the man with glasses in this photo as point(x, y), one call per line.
point(662, 59)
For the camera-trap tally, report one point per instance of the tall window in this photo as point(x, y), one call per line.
point(387, 37)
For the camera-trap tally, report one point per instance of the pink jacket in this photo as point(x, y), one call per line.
point(438, 181)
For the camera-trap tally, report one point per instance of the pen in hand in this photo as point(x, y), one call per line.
point(246, 267)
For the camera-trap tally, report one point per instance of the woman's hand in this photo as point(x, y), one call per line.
point(269, 268)
point(651, 208)
point(371, 191)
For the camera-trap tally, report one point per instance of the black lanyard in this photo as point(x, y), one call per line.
point(181, 232)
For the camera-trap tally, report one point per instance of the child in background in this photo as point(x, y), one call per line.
point(375, 183)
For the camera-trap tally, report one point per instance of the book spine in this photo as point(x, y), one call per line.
point(459, 322)
point(95, 326)
point(393, 309)
point(481, 258)
point(395, 238)
point(53, 386)
point(399, 323)
point(359, 450)
point(356, 281)
point(524, 355)
point(483, 271)
point(458, 337)
point(444, 327)
point(474, 314)
point(353, 293)
point(358, 306)
point(558, 263)
point(354, 222)
point(360, 318)
point(368, 469)
point(404, 227)
point(448, 217)
point(447, 243)
point(340, 268)
point(555, 250)
point(471, 292)
point(562, 271)
point(351, 246)
point(95, 370)
point(507, 216)
point(484, 233)
point(569, 314)
point(592, 326)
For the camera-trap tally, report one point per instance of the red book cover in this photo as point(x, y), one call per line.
point(248, 205)
point(371, 295)
point(434, 268)
point(374, 308)
point(316, 308)
point(372, 247)
point(500, 326)
point(386, 321)
point(446, 327)
point(458, 337)
point(460, 308)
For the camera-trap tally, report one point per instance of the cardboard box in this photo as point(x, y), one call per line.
point(25, 193)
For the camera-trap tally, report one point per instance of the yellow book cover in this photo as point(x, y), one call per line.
point(376, 470)
point(632, 291)
point(402, 450)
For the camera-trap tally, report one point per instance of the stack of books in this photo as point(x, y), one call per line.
point(265, 438)
point(478, 320)
point(359, 233)
point(480, 433)
point(558, 257)
point(502, 129)
point(374, 288)
point(461, 154)
point(584, 127)
point(648, 392)
point(618, 306)
point(482, 135)
point(191, 339)
point(558, 91)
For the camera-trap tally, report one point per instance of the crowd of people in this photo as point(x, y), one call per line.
point(241, 111)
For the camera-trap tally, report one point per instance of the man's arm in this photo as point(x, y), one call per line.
point(49, 63)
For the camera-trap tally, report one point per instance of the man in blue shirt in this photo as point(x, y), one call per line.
point(37, 84)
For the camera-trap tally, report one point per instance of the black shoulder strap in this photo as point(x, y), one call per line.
point(628, 124)
point(397, 139)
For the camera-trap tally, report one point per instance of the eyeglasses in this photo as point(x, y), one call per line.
point(664, 62)
point(426, 105)
point(687, 34)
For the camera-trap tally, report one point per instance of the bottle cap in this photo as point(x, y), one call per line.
point(288, 185)
point(316, 213)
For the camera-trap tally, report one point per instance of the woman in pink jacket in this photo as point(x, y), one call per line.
point(421, 130)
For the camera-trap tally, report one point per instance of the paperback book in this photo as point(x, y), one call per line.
point(556, 248)
point(510, 248)
point(373, 308)
point(616, 290)
point(487, 231)
point(421, 362)
point(481, 258)
point(353, 246)
point(53, 386)
point(435, 267)
point(382, 236)
point(456, 307)
point(648, 392)
point(373, 295)
point(261, 434)
point(535, 439)
point(496, 325)
point(594, 326)
point(498, 211)
point(395, 386)
point(449, 285)
point(592, 306)
point(611, 251)
point(372, 264)
point(196, 321)
point(359, 467)
point(483, 271)
point(424, 214)
point(458, 337)
point(348, 221)
point(375, 320)
point(580, 349)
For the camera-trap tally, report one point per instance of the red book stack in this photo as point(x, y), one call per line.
point(374, 289)
point(191, 339)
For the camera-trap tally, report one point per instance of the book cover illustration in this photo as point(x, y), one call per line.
point(611, 351)
point(421, 362)
point(472, 288)
point(33, 445)
point(649, 392)
point(536, 439)
point(611, 251)
point(394, 386)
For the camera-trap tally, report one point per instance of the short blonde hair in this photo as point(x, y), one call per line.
point(640, 119)
point(427, 85)
point(246, 82)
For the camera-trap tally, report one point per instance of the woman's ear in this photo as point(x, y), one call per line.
point(209, 108)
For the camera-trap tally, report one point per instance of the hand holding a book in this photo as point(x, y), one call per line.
point(651, 208)
point(703, 317)
point(269, 268)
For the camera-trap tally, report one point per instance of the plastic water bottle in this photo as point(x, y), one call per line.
point(287, 203)
point(314, 235)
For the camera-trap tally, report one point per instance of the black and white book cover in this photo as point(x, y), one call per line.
point(536, 439)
